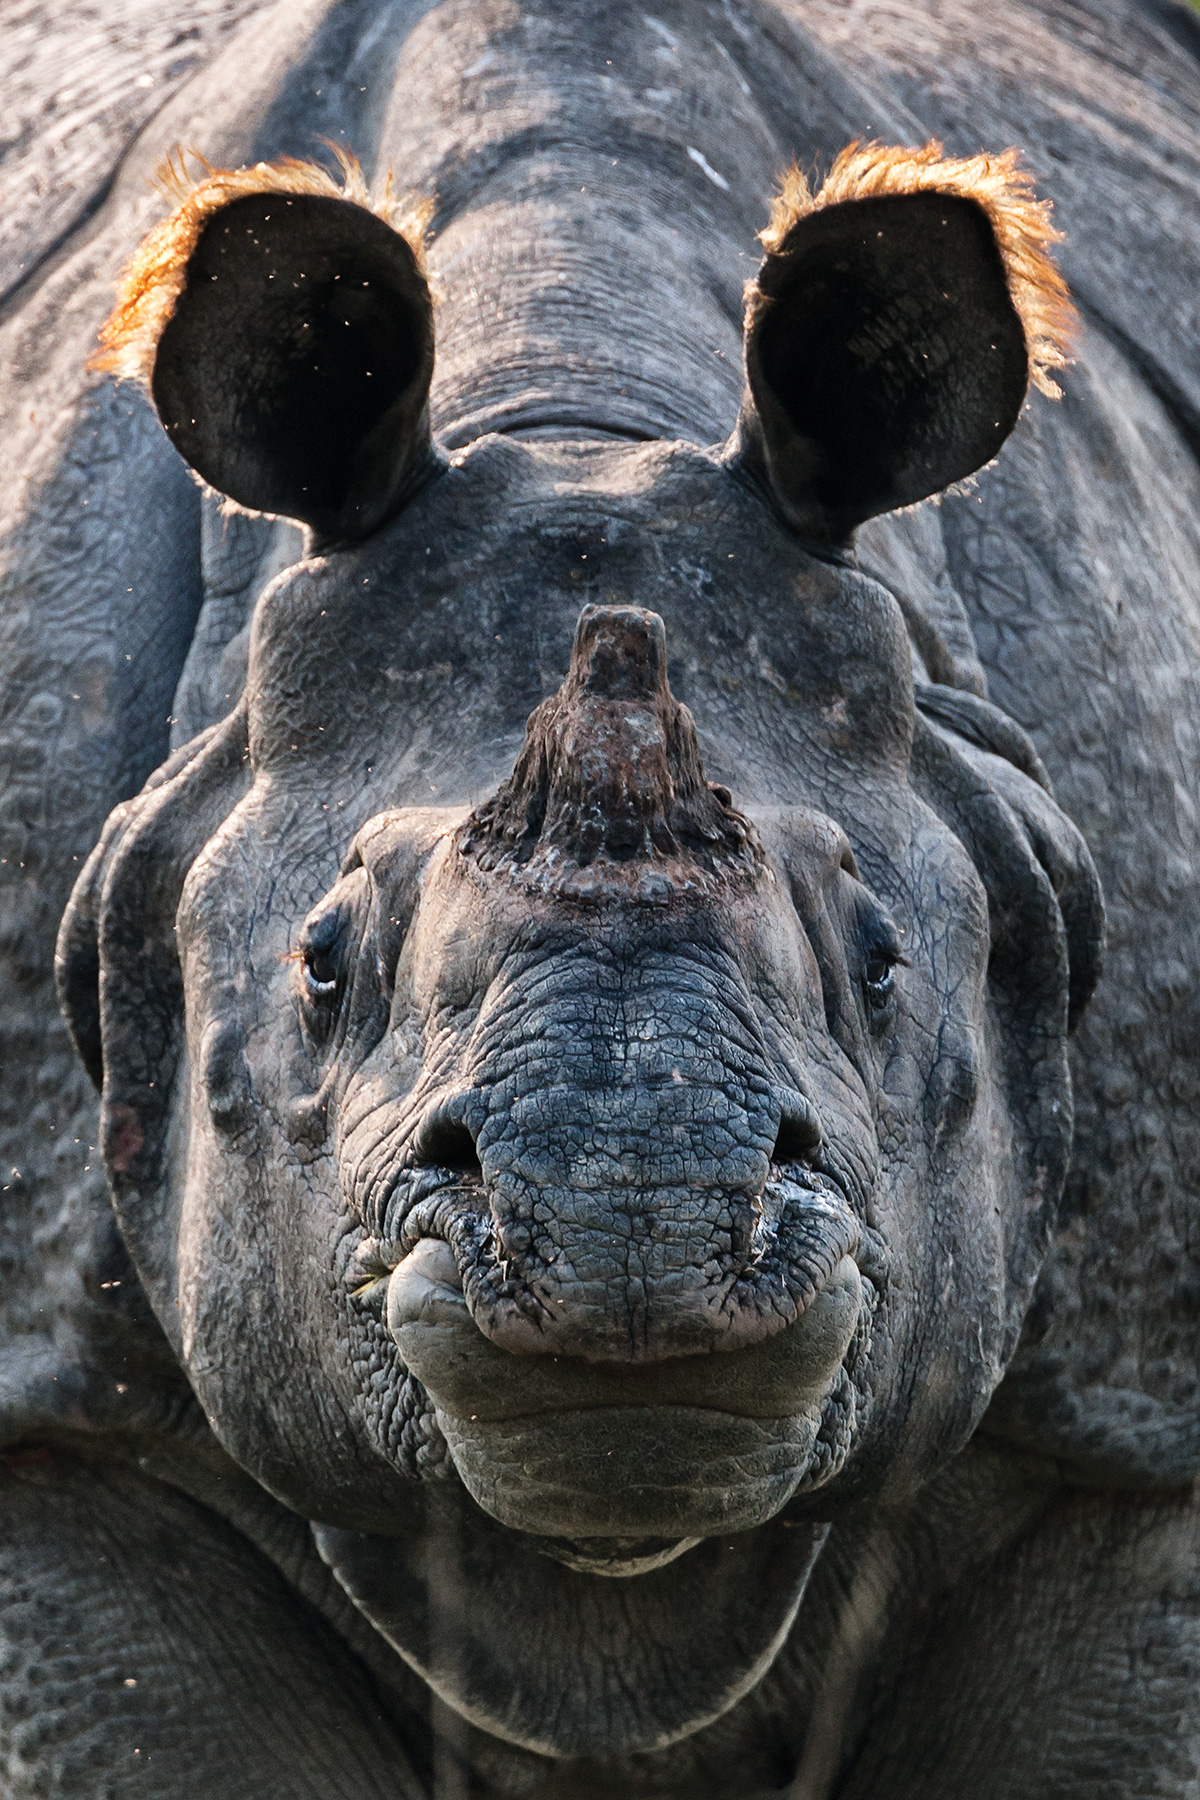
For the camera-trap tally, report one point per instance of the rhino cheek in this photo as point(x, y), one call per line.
point(251, 1300)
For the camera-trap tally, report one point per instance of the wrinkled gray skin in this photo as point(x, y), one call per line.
point(705, 1476)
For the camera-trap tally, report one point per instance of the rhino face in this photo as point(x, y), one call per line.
point(509, 1122)
point(605, 1106)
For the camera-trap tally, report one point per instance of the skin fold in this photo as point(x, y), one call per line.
point(619, 1278)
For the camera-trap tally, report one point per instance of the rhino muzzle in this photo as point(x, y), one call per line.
point(676, 1450)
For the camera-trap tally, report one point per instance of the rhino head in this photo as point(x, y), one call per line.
point(579, 1145)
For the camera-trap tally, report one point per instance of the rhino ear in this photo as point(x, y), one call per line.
point(285, 332)
point(893, 330)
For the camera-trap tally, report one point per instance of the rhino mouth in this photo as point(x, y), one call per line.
point(647, 1456)
point(785, 1241)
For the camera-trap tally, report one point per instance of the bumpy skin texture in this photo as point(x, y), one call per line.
point(398, 676)
point(268, 1701)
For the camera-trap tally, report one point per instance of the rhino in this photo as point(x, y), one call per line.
point(568, 768)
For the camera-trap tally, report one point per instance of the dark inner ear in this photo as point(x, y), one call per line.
point(294, 371)
point(889, 360)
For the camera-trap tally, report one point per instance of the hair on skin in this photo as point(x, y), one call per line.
point(1020, 221)
point(156, 273)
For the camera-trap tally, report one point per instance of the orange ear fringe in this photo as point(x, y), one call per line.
point(1021, 223)
point(154, 276)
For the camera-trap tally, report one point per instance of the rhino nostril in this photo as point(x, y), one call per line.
point(799, 1134)
point(446, 1144)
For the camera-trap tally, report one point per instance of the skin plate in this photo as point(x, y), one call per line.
point(570, 1664)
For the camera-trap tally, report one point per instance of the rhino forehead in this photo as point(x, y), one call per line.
point(418, 656)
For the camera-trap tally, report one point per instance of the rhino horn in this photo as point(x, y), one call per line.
point(611, 770)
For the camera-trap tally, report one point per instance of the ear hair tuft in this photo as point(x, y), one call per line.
point(1021, 224)
point(154, 276)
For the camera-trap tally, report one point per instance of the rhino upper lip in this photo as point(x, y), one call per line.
point(424, 1202)
point(438, 1286)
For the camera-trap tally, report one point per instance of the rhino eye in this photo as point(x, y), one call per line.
point(879, 979)
point(321, 959)
point(320, 971)
point(881, 953)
